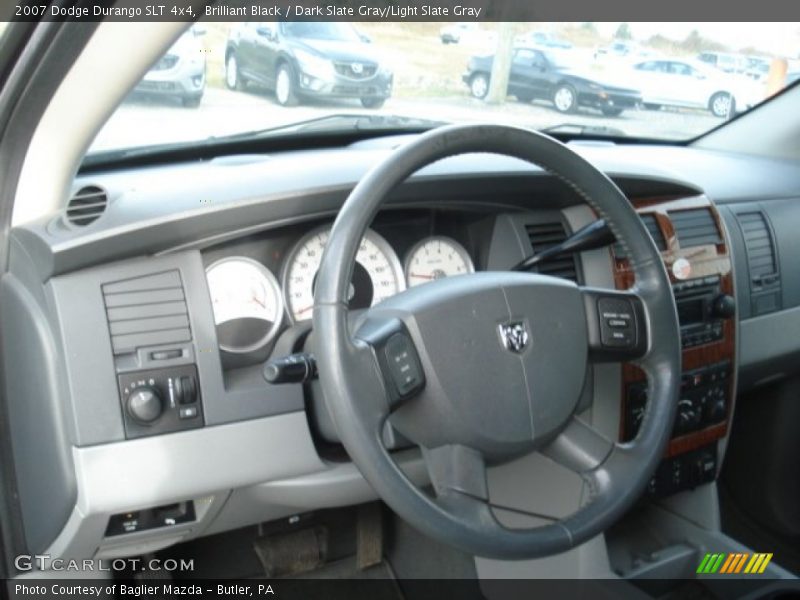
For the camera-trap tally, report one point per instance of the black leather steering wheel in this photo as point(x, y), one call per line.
point(483, 368)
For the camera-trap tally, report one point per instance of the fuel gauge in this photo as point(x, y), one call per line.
point(435, 258)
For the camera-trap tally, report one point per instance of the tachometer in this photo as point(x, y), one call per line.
point(435, 258)
point(247, 303)
point(376, 276)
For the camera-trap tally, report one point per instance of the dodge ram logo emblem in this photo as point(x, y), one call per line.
point(357, 68)
point(514, 336)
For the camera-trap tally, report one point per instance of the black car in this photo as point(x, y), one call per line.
point(307, 59)
point(541, 74)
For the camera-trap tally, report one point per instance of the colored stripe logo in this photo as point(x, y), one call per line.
point(734, 562)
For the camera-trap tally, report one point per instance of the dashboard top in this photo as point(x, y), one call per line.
point(168, 207)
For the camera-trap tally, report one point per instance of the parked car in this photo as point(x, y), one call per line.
point(545, 74)
point(725, 61)
point(622, 49)
point(692, 84)
point(300, 60)
point(180, 73)
point(757, 67)
point(543, 39)
point(468, 34)
point(452, 33)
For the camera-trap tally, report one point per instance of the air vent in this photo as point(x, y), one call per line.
point(547, 235)
point(762, 263)
point(86, 205)
point(695, 227)
point(651, 223)
point(146, 311)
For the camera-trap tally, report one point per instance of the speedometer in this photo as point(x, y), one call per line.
point(377, 274)
point(247, 303)
point(434, 258)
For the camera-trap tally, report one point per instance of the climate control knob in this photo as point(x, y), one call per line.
point(144, 405)
point(688, 417)
point(715, 407)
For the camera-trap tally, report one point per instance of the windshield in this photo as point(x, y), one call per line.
point(665, 81)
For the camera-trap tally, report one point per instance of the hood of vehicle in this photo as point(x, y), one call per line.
point(338, 50)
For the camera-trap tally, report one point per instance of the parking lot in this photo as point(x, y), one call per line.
point(144, 121)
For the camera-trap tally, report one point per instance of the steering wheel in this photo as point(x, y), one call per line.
point(482, 368)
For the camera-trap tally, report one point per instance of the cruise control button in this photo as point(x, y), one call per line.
point(404, 367)
point(617, 328)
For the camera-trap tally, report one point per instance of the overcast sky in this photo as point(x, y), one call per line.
point(777, 38)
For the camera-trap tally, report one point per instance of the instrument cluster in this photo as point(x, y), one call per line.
point(251, 303)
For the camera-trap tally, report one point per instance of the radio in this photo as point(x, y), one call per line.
point(701, 310)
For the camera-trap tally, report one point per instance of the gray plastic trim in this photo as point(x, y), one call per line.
point(156, 470)
point(196, 464)
point(769, 347)
point(38, 416)
point(92, 369)
point(338, 485)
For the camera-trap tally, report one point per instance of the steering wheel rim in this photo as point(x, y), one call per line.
point(358, 387)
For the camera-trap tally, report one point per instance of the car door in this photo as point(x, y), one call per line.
point(527, 77)
point(649, 79)
point(265, 51)
point(687, 84)
point(245, 50)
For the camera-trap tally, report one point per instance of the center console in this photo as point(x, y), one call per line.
point(694, 247)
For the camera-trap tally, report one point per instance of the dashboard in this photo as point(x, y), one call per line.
point(139, 338)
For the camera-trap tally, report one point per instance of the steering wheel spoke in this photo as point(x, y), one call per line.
point(457, 469)
point(617, 327)
point(579, 447)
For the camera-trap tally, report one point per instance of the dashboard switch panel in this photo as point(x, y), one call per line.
point(684, 472)
point(151, 518)
point(159, 401)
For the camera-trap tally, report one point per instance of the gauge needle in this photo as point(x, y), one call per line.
point(306, 309)
point(259, 302)
point(421, 276)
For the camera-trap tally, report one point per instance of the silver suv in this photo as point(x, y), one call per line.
point(180, 73)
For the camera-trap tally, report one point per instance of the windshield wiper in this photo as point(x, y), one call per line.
point(335, 123)
point(343, 122)
point(587, 130)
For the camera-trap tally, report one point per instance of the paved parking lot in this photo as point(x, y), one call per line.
point(144, 121)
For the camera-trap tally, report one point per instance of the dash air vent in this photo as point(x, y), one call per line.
point(146, 311)
point(762, 263)
point(86, 205)
point(695, 227)
point(653, 229)
point(546, 235)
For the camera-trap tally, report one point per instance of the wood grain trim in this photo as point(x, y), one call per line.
point(712, 259)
